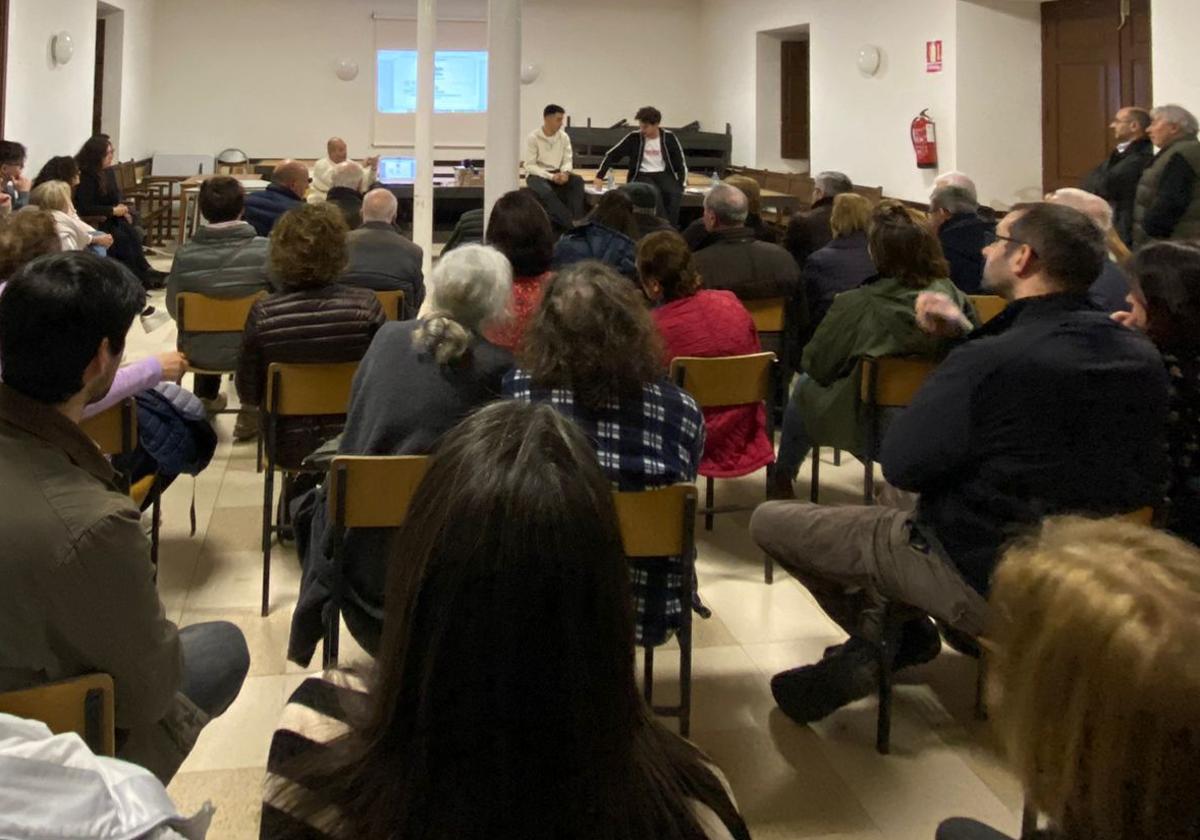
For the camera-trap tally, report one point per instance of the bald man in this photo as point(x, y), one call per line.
point(289, 183)
point(382, 259)
point(337, 152)
point(1116, 179)
point(1111, 289)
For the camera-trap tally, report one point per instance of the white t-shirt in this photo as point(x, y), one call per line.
point(652, 156)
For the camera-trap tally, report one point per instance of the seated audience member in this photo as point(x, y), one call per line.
point(224, 259)
point(609, 234)
point(876, 319)
point(809, 231)
point(336, 153)
point(592, 351)
point(550, 170)
point(655, 157)
point(954, 212)
point(1111, 288)
point(61, 168)
point(27, 235)
point(698, 236)
point(98, 195)
point(1165, 304)
point(312, 319)
point(381, 258)
point(80, 596)
point(468, 230)
point(345, 194)
point(753, 270)
point(417, 381)
point(289, 184)
point(1167, 204)
point(520, 230)
point(74, 234)
point(645, 208)
point(1092, 681)
point(504, 703)
point(14, 186)
point(1051, 407)
point(695, 321)
point(845, 263)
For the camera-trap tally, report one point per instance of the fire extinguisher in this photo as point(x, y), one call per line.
point(924, 140)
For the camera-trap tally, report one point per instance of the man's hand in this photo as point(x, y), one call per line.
point(599, 183)
point(23, 184)
point(1132, 320)
point(371, 164)
point(120, 210)
point(939, 316)
point(104, 240)
point(561, 177)
point(5, 202)
point(174, 365)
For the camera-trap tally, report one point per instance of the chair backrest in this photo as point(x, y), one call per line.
point(768, 313)
point(657, 523)
point(724, 380)
point(1141, 516)
point(309, 389)
point(203, 314)
point(115, 429)
point(373, 491)
point(83, 705)
point(126, 175)
point(893, 381)
point(392, 303)
point(988, 307)
point(871, 194)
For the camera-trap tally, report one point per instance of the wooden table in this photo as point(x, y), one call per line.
point(252, 183)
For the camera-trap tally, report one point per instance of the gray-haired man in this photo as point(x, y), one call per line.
point(1168, 196)
point(809, 232)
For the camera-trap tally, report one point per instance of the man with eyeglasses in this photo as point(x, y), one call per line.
point(1050, 408)
point(1116, 180)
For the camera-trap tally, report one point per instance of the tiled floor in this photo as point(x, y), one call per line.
point(820, 781)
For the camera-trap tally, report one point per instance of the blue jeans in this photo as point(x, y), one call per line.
point(215, 662)
point(794, 442)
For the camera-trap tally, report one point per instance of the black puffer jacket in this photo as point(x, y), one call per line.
point(334, 323)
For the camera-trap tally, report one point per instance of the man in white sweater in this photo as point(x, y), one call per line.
point(549, 165)
point(337, 152)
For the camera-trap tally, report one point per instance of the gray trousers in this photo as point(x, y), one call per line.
point(855, 559)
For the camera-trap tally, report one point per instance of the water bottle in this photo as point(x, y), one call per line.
point(610, 181)
point(716, 177)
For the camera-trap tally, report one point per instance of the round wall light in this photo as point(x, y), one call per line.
point(530, 73)
point(347, 70)
point(868, 60)
point(62, 47)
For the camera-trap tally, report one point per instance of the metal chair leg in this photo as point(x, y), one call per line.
point(648, 675)
point(685, 672)
point(837, 457)
point(869, 482)
point(267, 535)
point(1029, 820)
point(981, 712)
point(708, 504)
point(814, 484)
point(155, 526)
point(887, 654)
point(333, 632)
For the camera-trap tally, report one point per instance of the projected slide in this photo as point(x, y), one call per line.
point(460, 81)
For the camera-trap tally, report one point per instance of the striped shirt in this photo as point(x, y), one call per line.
point(316, 715)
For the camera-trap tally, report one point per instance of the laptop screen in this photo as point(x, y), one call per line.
point(397, 170)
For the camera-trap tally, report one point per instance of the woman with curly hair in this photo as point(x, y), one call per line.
point(593, 353)
point(312, 319)
point(695, 321)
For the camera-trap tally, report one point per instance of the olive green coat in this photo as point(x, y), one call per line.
point(876, 319)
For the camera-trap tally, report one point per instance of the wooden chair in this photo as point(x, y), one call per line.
point(148, 198)
point(988, 307)
point(770, 320)
point(83, 705)
point(294, 390)
point(115, 433)
point(392, 303)
point(365, 492)
point(662, 523)
point(199, 313)
point(723, 381)
point(887, 382)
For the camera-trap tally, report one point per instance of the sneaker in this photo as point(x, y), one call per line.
point(153, 318)
point(246, 426)
point(215, 405)
point(920, 642)
point(154, 279)
point(812, 692)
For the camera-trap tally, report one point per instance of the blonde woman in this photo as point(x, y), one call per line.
point(73, 232)
point(1093, 681)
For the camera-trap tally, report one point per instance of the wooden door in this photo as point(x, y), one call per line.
point(1095, 60)
point(3, 58)
point(98, 79)
point(794, 81)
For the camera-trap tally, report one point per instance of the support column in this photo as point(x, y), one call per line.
point(423, 185)
point(503, 154)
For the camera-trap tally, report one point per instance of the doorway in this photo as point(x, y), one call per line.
point(1095, 60)
point(110, 50)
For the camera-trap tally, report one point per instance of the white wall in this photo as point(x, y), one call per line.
point(1174, 25)
point(278, 95)
point(999, 95)
point(48, 106)
point(769, 96)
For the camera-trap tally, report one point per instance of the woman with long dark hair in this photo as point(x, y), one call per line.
point(98, 195)
point(503, 702)
point(608, 234)
point(520, 229)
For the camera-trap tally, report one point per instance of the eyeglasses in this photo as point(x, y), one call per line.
point(991, 238)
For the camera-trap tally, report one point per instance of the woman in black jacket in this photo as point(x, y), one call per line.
point(98, 195)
